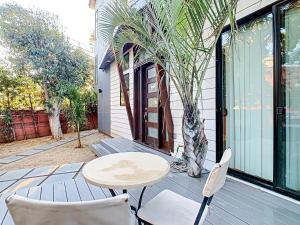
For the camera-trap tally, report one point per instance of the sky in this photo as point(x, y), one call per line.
point(75, 15)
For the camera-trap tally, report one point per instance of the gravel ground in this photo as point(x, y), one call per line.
point(67, 153)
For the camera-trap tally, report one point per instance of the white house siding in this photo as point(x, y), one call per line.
point(119, 121)
point(208, 103)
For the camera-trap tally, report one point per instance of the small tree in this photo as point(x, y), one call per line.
point(76, 110)
point(180, 36)
point(39, 48)
point(8, 86)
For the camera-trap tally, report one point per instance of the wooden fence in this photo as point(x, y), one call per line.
point(28, 124)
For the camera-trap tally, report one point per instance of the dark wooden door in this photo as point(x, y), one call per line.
point(151, 111)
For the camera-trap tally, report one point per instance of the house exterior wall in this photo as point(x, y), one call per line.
point(119, 120)
point(207, 105)
point(102, 78)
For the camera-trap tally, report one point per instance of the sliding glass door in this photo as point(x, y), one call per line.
point(248, 98)
point(289, 119)
point(259, 103)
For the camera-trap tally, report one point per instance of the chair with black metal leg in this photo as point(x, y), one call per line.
point(169, 208)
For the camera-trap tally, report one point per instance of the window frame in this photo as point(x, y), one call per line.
point(127, 82)
point(274, 10)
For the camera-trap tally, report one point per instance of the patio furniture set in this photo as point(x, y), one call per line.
point(123, 171)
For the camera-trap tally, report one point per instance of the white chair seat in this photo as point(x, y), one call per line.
point(169, 208)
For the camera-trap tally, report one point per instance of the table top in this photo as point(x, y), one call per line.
point(126, 170)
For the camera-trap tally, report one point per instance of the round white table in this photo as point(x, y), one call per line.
point(126, 171)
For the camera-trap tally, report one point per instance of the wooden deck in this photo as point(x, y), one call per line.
point(236, 203)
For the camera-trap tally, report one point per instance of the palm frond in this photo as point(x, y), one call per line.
point(179, 33)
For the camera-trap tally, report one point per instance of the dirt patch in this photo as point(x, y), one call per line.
point(16, 147)
point(67, 153)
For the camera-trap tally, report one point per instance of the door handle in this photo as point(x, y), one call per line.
point(280, 110)
point(145, 117)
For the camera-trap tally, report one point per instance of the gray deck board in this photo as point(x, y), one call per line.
point(47, 192)
point(59, 192)
point(35, 192)
point(14, 174)
point(41, 171)
point(67, 168)
point(25, 183)
point(59, 177)
point(237, 203)
point(97, 192)
point(5, 184)
point(71, 191)
point(83, 189)
point(2, 172)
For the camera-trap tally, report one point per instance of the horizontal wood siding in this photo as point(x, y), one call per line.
point(119, 120)
point(207, 104)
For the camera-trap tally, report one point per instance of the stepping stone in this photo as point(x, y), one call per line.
point(43, 147)
point(14, 174)
point(42, 171)
point(67, 168)
point(30, 152)
point(10, 159)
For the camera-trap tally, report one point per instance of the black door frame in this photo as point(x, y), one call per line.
point(277, 101)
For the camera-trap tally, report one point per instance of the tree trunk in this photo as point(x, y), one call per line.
point(78, 135)
point(54, 121)
point(195, 142)
point(53, 114)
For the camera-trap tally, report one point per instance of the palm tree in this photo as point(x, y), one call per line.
point(180, 36)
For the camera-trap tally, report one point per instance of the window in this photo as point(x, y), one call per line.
point(289, 60)
point(248, 97)
point(126, 62)
point(258, 91)
point(122, 100)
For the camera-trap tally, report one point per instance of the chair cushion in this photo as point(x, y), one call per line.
point(169, 208)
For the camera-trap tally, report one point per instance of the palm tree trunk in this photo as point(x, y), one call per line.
point(195, 142)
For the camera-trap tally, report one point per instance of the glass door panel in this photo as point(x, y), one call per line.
point(151, 115)
point(248, 98)
point(289, 156)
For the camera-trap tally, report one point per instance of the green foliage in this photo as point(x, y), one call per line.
point(180, 35)
point(19, 92)
point(6, 125)
point(7, 88)
point(76, 108)
point(30, 95)
point(39, 49)
point(76, 111)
